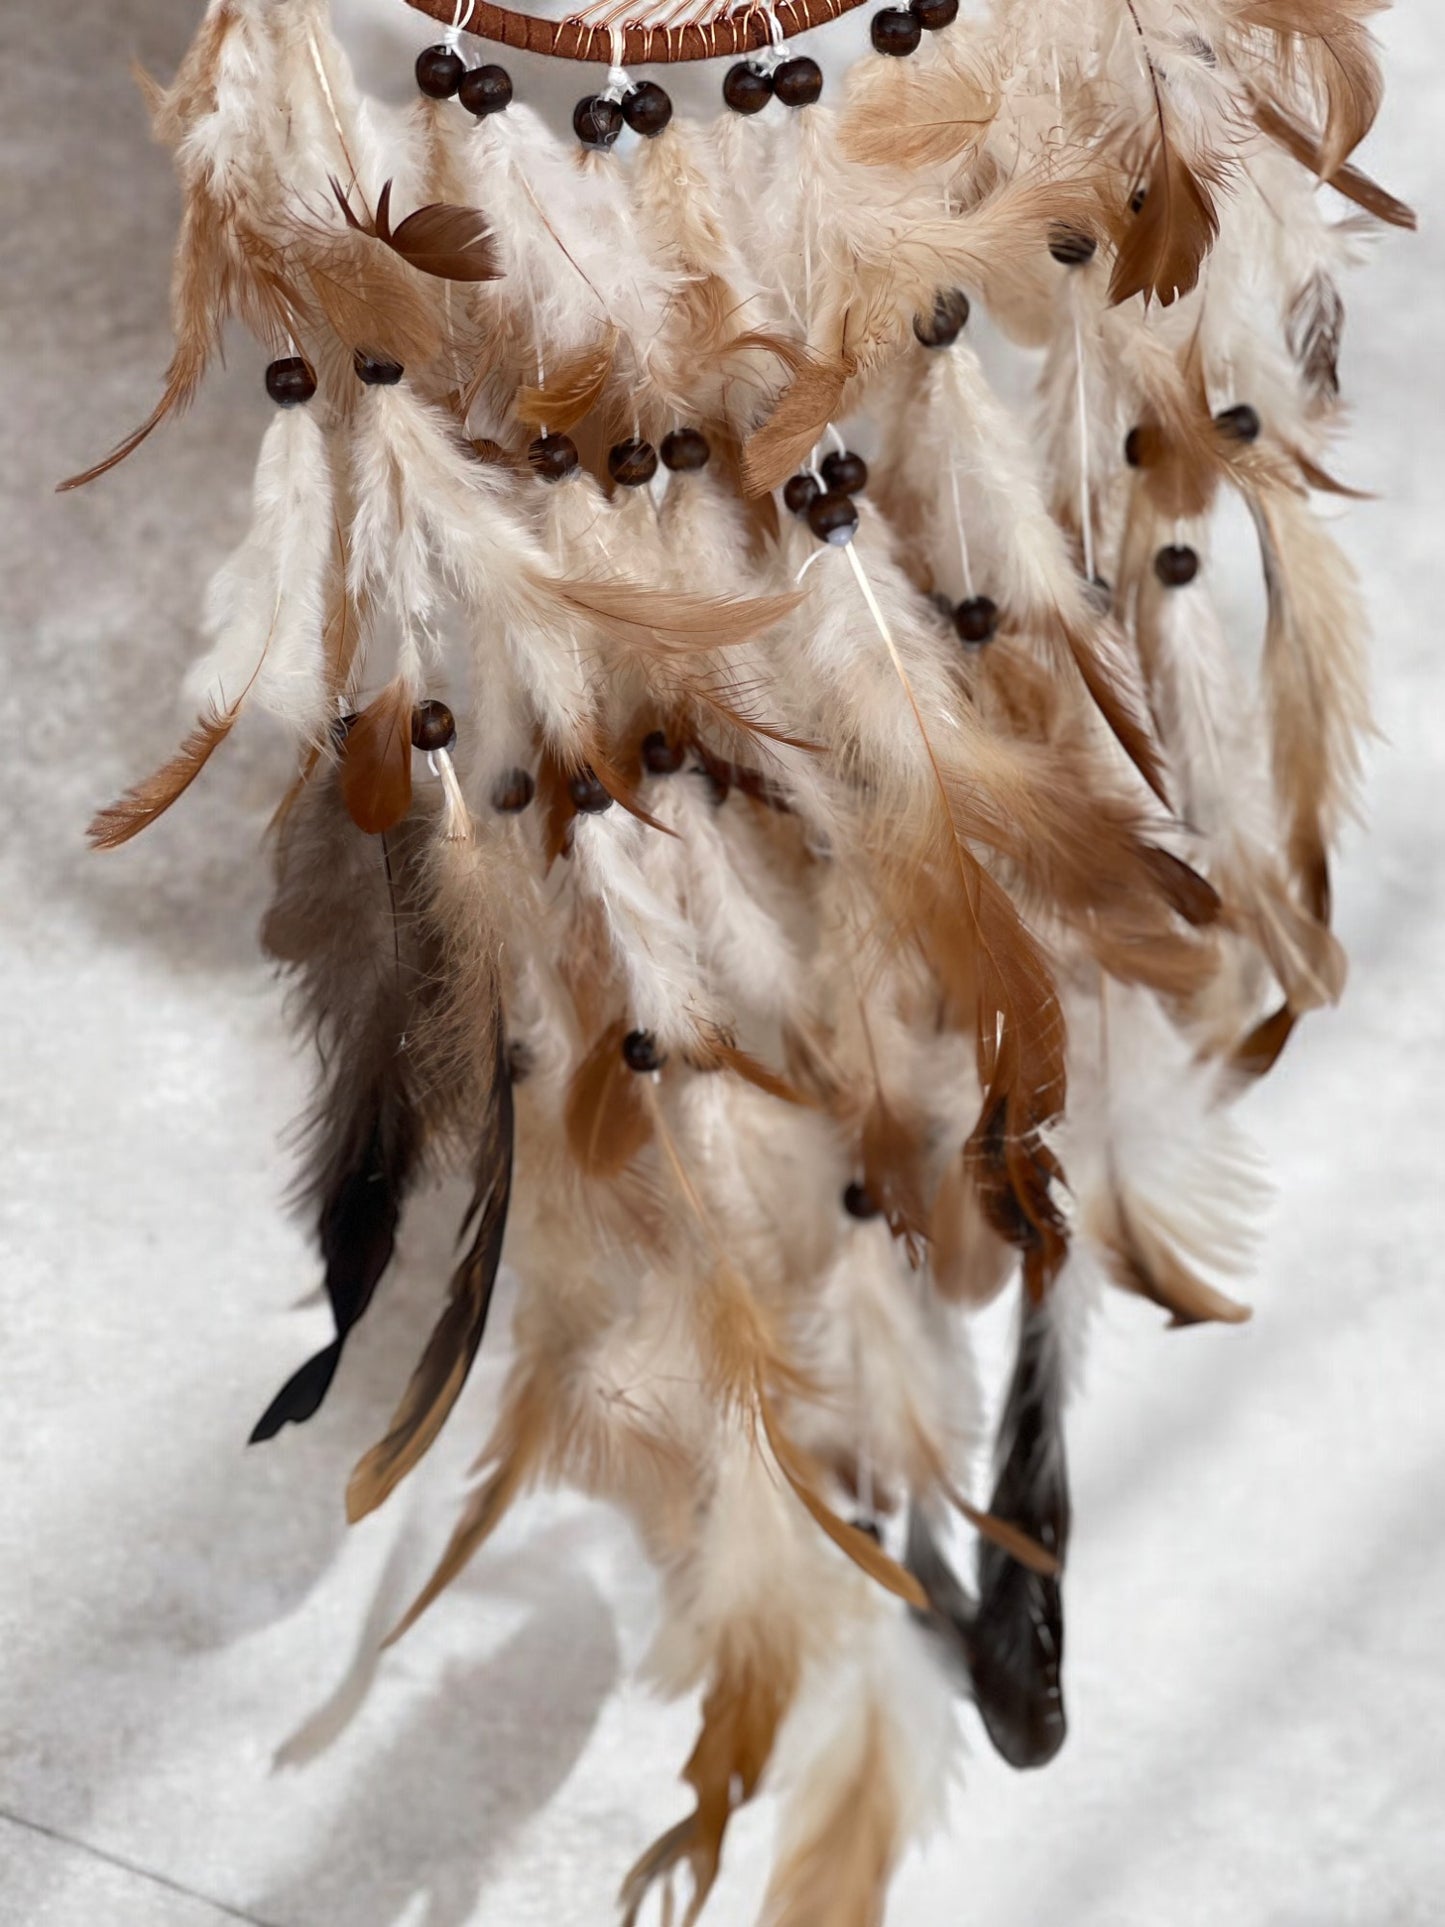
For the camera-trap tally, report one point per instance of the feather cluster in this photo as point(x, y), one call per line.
point(797, 943)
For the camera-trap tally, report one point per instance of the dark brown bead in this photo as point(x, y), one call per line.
point(439, 72)
point(640, 1051)
point(976, 620)
point(588, 795)
point(1175, 566)
point(376, 373)
point(798, 82)
point(833, 518)
point(486, 90)
point(858, 1204)
point(1241, 423)
point(800, 492)
point(746, 90)
point(1137, 200)
point(661, 757)
point(935, 14)
point(513, 792)
point(685, 450)
point(1071, 246)
point(646, 108)
point(845, 472)
point(896, 31)
point(631, 463)
point(552, 456)
point(942, 327)
point(289, 381)
point(433, 726)
point(1134, 448)
point(597, 121)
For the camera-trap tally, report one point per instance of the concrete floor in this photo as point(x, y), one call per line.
point(1257, 1623)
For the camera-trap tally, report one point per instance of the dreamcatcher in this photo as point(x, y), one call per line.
point(792, 826)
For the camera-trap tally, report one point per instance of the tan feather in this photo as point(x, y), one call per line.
point(837, 1874)
point(571, 390)
point(902, 115)
point(607, 1121)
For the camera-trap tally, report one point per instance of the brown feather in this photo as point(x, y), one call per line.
point(796, 422)
point(376, 761)
point(802, 1474)
point(452, 243)
point(1311, 151)
point(1162, 244)
point(660, 621)
point(146, 800)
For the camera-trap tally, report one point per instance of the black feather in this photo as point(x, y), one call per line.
point(345, 920)
point(444, 1366)
point(1016, 1645)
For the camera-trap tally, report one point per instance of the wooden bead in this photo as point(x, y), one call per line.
point(587, 794)
point(800, 492)
point(290, 382)
point(976, 620)
point(896, 31)
point(439, 72)
point(376, 374)
point(1134, 448)
point(1175, 566)
point(552, 456)
point(433, 726)
point(1071, 246)
point(1241, 423)
point(942, 327)
point(646, 108)
point(486, 90)
point(597, 121)
point(632, 463)
point(685, 451)
point(833, 518)
point(933, 15)
point(661, 757)
point(798, 82)
point(746, 90)
point(513, 792)
point(858, 1204)
point(846, 473)
point(640, 1051)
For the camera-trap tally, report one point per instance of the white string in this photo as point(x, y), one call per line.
point(460, 22)
point(962, 535)
point(619, 81)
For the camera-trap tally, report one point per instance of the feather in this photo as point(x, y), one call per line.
point(376, 761)
point(146, 800)
point(343, 921)
point(1311, 151)
point(438, 1379)
point(452, 243)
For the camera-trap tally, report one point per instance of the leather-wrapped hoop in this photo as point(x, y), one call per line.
point(727, 37)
